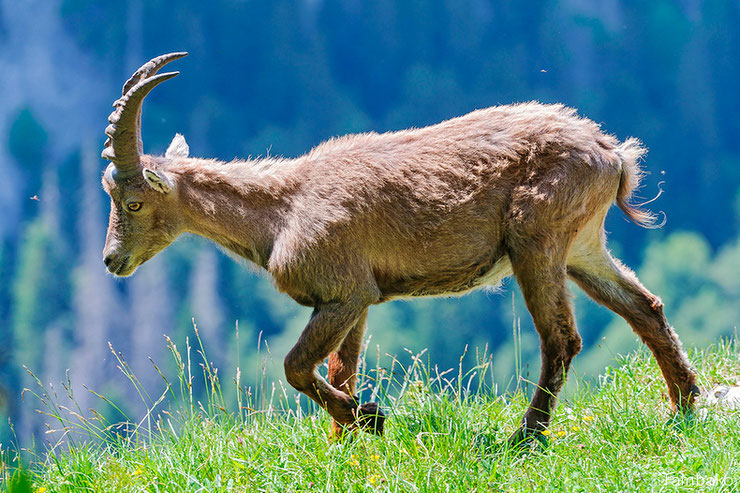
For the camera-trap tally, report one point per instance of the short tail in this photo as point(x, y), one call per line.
point(630, 152)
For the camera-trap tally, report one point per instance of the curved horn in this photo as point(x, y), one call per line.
point(147, 70)
point(124, 144)
point(151, 68)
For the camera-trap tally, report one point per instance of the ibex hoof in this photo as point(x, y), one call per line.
point(686, 403)
point(371, 418)
point(695, 391)
point(524, 438)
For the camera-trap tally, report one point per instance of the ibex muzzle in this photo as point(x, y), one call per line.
point(520, 189)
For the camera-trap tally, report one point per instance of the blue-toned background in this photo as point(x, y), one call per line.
point(282, 76)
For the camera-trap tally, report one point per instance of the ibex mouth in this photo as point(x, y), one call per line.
point(121, 268)
point(126, 265)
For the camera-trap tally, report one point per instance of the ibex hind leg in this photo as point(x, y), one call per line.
point(613, 285)
point(542, 277)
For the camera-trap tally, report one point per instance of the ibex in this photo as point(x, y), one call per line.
point(517, 190)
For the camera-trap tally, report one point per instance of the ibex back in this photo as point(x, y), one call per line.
point(362, 219)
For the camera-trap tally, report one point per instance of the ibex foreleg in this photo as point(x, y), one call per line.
point(343, 365)
point(329, 326)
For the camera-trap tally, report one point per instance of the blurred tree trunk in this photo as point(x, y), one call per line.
point(152, 315)
point(134, 35)
point(95, 303)
point(38, 303)
point(206, 303)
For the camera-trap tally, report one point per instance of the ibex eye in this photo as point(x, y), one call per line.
point(133, 206)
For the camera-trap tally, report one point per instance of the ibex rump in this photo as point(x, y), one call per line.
point(362, 219)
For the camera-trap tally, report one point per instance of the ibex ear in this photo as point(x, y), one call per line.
point(178, 147)
point(157, 180)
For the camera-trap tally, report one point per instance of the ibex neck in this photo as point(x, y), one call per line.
point(239, 205)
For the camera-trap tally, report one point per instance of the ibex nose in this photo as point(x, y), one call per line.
point(108, 259)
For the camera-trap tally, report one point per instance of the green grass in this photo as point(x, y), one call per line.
point(444, 433)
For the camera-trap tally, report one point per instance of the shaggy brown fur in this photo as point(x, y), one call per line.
point(521, 189)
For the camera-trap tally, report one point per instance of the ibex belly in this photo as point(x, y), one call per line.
point(446, 281)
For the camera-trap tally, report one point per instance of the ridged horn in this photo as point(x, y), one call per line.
point(124, 145)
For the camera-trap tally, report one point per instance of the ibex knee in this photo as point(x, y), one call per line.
point(296, 373)
point(656, 305)
point(575, 343)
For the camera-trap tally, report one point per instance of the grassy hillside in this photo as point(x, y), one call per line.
point(444, 434)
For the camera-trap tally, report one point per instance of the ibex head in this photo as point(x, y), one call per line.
point(143, 216)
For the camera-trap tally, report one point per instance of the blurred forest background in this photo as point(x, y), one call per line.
point(280, 77)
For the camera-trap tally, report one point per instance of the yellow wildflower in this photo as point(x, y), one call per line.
point(137, 472)
point(560, 433)
point(546, 433)
point(373, 480)
point(375, 457)
point(588, 419)
point(40, 489)
point(576, 428)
